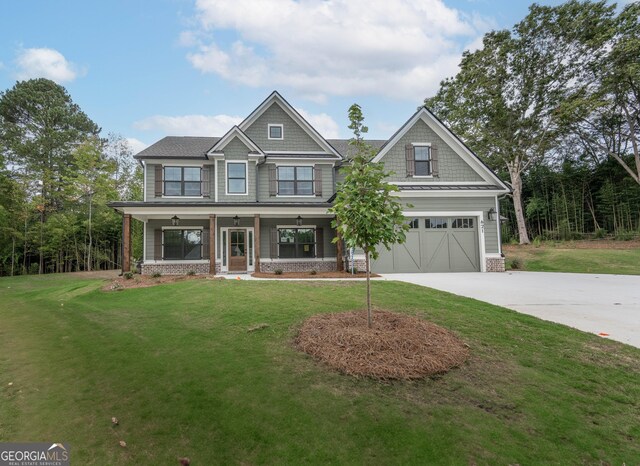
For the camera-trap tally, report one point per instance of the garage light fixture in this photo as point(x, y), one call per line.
point(491, 215)
point(298, 220)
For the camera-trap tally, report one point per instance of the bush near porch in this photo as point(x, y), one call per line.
point(207, 370)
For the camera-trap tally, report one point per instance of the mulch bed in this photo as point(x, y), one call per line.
point(144, 281)
point(313, 276)
point(398, 346)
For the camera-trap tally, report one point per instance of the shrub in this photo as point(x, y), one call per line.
point(156, 275)
point(313, 272)
point(515, 263)
point(116, 286)
point(278, 271)
point(537, 242)
point(128, 275)
point(600, 233)
point(625, 235)
point(191, 273)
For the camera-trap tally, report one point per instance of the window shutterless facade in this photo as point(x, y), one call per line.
point(182, 181)
point(182, 244)
point(236, 178)
point(294, 243)
point(422, 160)
point(275, 131)
point(295, 181)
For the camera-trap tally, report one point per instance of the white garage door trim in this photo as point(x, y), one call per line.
point(478, 214)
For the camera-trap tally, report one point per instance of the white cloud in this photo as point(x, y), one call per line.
point(323, 123)
point(46, 63)
point(401, 49)
point(136, 145)
point(189, 125)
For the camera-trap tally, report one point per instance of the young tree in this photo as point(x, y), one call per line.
point(366, 212)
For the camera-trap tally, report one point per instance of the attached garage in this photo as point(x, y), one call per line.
point(434, 244)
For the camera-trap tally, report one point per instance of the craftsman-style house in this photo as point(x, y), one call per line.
point(257, 199)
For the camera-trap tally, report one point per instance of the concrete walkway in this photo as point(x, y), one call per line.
point(592, 303)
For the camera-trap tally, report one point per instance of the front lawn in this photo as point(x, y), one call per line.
point(607, 257)
point(178, 366)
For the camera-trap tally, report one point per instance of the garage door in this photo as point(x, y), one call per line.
point(434, 244)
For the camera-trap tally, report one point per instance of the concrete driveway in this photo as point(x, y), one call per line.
point(592, 303)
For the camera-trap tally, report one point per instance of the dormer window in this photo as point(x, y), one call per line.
point(423, 160)
point(275, 131)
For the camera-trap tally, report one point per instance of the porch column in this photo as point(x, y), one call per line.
point(212, 244)
point(339, 260)
point(126, 243)
point(256, 241)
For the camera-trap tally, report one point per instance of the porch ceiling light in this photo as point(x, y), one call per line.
point(175, 221)
point(298, 220)
point(491, 215)
point(236, 221)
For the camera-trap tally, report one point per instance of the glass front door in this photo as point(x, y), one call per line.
point(237, 250)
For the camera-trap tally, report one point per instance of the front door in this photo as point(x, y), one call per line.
point(237, 250)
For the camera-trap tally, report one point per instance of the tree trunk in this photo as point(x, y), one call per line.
point(90, 238)
point(368, 288)
point(516, 184)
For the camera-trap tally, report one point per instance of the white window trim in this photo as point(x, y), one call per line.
point(182, 165)
point(176, 261)
point(246, 177)
point(182, 197)
point(315, 242)
point(313, 181)
point(275, 125)
point(422, 144)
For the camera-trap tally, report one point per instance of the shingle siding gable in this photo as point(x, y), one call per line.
point(451, 167)
point(295, 137)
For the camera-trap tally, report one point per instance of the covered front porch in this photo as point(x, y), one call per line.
point(178, 241)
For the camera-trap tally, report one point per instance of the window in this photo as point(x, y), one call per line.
point(465, 222)
point(414, 223)
point(295, 181)
point(236, 178)
point(296, 242)
point(436, 222)
point(182, 244)
point(423, 160)
point(182, 181)
point(275, 132)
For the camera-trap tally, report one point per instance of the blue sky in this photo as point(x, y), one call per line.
point(146, 69)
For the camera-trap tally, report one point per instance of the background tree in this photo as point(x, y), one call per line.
point(367, 214)
point(504, 100)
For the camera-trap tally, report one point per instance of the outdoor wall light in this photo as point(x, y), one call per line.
point(298, 220)
point(236, 221)
point(491, 215)
point(175, 221)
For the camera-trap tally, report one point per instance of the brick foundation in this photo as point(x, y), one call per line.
point(298, 266)
point(494, 264)
point(167, 268)
point(360, 265)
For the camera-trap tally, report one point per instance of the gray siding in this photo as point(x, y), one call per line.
point(236, 150)
point(461, 204)
point(451, 167)
point(153, 225)
point(263, 185)
point(295, 138)
point(150, 174)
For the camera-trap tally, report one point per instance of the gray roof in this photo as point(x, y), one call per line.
point(440, 187)
point(342, 145)
point(178, 147)
point(196, 147)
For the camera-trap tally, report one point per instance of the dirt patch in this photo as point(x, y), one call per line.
point(317, 275)
point(582, 244)
point(144, 281)
point(398, 346)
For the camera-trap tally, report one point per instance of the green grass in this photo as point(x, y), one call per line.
point(556, 259)
point(177, 366)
